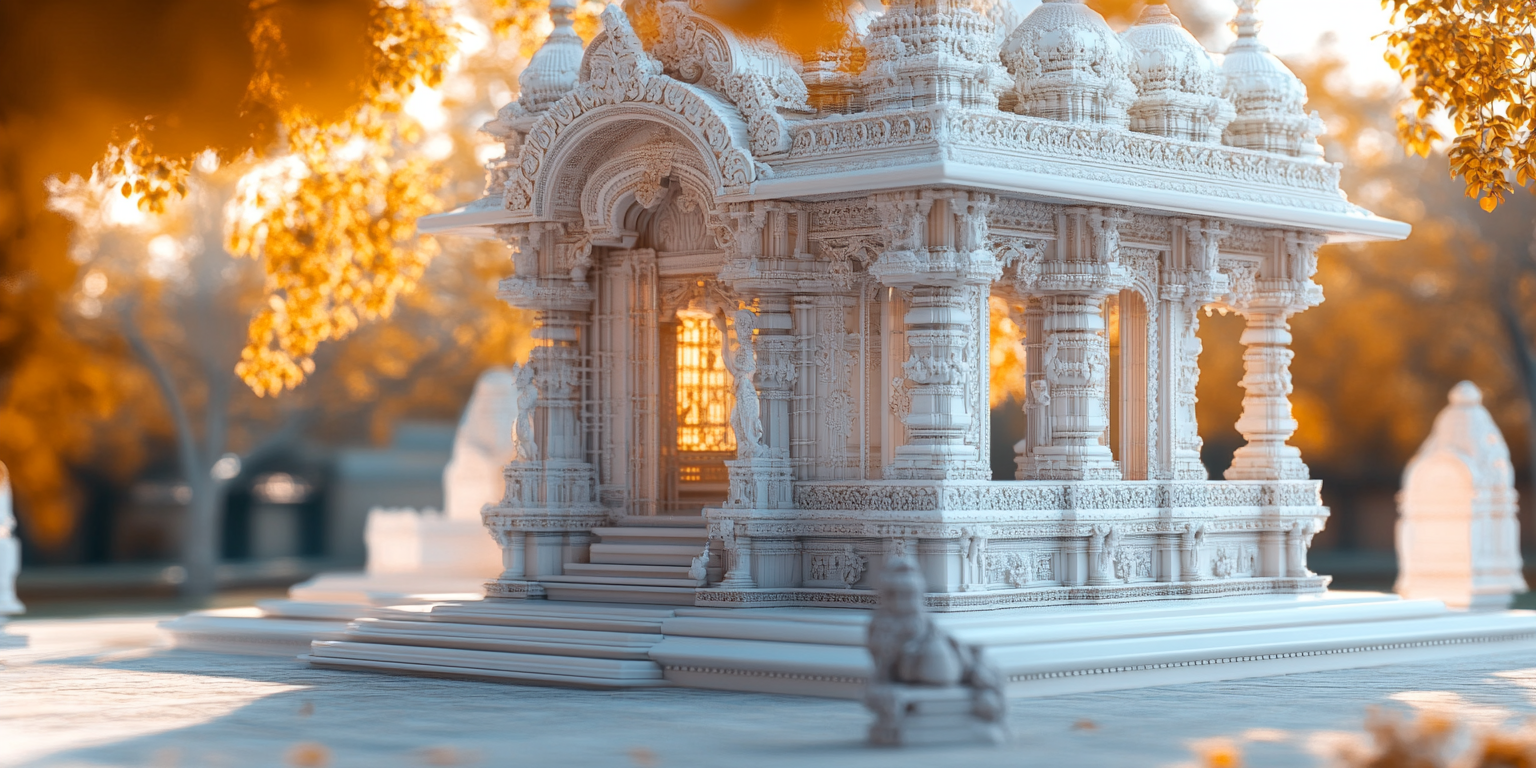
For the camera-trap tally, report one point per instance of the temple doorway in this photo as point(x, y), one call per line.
point(696, 387)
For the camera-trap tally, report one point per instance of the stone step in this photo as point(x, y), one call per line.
point(506, 638)
point(663, 521)
point(443, 658)
point(618, 593)
point(626, 619)
point(632, 581)
point(652, 535)
point(645, 554)
point(628, 570)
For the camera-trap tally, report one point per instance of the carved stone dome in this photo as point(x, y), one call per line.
point(1270, 100)
point(1068, 65)
point(1178, 85)
point(553, 70)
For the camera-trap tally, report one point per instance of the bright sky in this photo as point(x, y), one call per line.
point(1293, 28)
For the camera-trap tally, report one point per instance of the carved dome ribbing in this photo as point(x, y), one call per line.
point(1178, 85)
point(1270, 100)
point(1068, 65)
point(552, 72)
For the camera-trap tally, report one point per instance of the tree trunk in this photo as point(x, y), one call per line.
point(200, 538)
point(1525, 361)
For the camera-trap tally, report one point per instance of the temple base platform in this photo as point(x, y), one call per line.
point(1040, 651)
point(321, 606)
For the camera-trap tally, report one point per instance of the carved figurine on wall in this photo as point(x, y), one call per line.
point(1040, 402)
point(921, 674)
point(741, 362)
point(526, 397)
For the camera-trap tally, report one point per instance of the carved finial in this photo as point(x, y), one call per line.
point(1466, 393)
point(1157, 14)
point(1247, 24)
point(552, 71)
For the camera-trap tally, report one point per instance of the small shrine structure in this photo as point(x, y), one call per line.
point(761, 285)
point(1458, 534)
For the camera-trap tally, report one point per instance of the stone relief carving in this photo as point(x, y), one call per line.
point(1133, 563)
point(756, 75)
point(1234, 560)
point(844, 565)
point(1022, 569)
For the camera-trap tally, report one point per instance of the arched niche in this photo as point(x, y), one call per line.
point(560, 172)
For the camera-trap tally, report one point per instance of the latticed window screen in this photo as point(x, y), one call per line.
point(704, 396)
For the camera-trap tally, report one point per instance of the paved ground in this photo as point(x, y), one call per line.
point(107, 692)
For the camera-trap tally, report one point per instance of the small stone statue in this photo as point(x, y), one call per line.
point(526, 396)
point(741, 362)
point(926, 688)
point(698, 569)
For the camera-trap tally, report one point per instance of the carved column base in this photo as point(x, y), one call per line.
point(937, 462)
point(1072, 462)
point(1267, 461)
point(760, 483)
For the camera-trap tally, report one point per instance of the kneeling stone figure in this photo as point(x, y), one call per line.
point(926, 688)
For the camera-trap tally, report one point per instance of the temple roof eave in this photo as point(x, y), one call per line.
point(477, 220)
point(1342, 221)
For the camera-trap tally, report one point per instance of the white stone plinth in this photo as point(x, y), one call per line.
point(821, 651)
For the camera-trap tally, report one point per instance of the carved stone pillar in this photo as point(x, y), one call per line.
point(738, 557)
point(1298, 539)
point(768, 241)
point(1266, 423)
point(1084, 271)
point(1037, 401)
point(550, 505)
point(1193, 279)
point(776, 371)
point(937, 248)
point(1284, 287)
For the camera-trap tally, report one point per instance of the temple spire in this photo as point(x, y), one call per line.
point(553, 70)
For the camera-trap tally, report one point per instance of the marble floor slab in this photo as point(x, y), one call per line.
point(110, 692)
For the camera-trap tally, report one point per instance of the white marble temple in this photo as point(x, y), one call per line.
point(761, 295)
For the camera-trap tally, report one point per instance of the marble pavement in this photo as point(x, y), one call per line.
point(111, 692)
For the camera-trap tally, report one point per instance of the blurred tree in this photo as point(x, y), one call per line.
point(164, 283)
point(63, 381)
point(1475, 61)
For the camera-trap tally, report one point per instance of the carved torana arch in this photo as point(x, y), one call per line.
point(621, 83)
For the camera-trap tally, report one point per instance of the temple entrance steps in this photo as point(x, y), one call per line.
point(640, 560)
point(589, 645)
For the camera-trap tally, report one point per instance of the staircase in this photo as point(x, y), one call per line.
point(637, 569)
point(640, 560)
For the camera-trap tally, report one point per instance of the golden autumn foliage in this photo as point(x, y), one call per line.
point(334, 226)
point(1475, 61)
point(318, 100)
